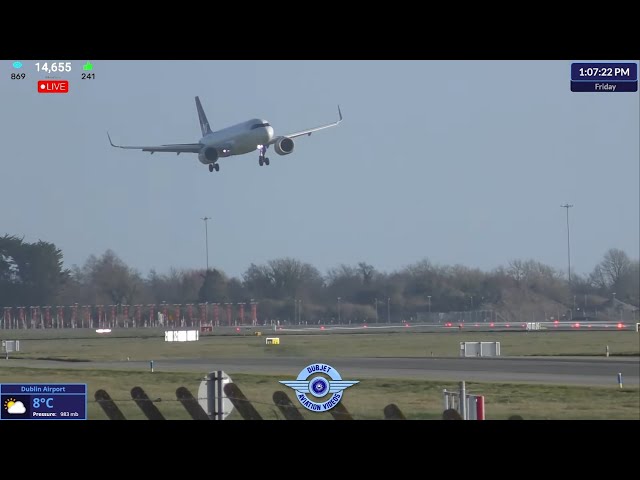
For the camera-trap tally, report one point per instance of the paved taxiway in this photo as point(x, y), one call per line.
point(547, 370)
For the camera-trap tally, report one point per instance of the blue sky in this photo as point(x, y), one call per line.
point(461, 162)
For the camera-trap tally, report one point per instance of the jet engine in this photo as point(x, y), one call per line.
point(208, 155)
point(284, 146)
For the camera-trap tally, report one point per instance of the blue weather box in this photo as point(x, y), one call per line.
point(17, 64)
point(15, 406)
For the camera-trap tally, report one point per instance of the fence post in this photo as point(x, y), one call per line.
point(463, 401)
point(480, 407)
point(190, 404)
point(241, 402)
point(146, 404)
point(340, 412)
point(108, 405)
point(218, 388)
point(287, 408)
point(451, 414)
point(392, 412)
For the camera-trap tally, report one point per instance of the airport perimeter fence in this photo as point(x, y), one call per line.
point(176, 316)
point(243, 405)
point(492, 316)
point(129, 316)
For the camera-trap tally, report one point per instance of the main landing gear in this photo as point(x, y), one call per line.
point(262, 160)
point(213, 166)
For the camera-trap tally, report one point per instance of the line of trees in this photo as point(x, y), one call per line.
point(34, 274)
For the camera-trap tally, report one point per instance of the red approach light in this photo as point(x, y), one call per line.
point(237, 329)
point(364, 326)
point(589, 326)
point(524, 325)
point(322, 328)
point(406, 324)
point(621, 325)
point(577, 325)
point(476, 324)
point(507, 325)
point(491, 324)
point(555, 321)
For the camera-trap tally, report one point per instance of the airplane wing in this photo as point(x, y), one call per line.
point(176, 148)
point(309, 131)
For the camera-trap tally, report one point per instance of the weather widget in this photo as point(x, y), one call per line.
point(43, 401)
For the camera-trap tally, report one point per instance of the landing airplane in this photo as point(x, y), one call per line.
point(245, 137)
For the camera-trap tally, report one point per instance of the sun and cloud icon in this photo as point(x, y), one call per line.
point(14, 407)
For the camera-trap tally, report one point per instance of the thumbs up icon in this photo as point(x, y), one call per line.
point(87, 66)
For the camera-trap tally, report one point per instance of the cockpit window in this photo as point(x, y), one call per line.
point(258, 125)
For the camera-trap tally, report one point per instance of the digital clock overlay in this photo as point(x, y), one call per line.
point(604, 77)
point(43, 401)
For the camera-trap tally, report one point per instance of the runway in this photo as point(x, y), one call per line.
point(587, 371)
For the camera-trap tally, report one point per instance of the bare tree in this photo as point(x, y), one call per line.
point(516, 270)
point(614, 266)
point(367, 272)
point(111, 279)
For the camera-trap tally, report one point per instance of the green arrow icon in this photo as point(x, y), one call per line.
point(87, 66)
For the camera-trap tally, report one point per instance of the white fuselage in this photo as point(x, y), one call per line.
point(239, 139)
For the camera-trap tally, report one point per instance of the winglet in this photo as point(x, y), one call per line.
point(110, 140)
point(339, 113)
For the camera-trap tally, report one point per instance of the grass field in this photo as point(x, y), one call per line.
point(366, 400)
point(418, 399)
point(86, 345)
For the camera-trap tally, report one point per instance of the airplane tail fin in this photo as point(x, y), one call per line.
point(204, 123)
